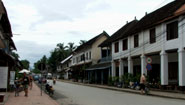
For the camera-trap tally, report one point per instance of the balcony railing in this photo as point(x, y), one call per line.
point(106, 59)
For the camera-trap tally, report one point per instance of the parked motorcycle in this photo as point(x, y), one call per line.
point(49, 89)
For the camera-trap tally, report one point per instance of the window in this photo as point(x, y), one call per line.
point(125, 44)
point(116, 47)
point(73, 60)
point(86, 56)
point(82, 57)
point(136, 41)
point(172, 30)
point(89, 55)
point(152, 36)
point(76, 59)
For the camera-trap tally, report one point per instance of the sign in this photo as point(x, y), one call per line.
point(4, 77)
point(12, 77)
point(149, 67)
point(149, 60)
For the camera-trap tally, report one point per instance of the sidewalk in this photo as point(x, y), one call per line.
point(34, 98)
point(152, 93)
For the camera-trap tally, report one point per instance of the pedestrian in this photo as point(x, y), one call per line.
point(17, 87)
point(25, 84)
point(142, 83)
point(31, 80)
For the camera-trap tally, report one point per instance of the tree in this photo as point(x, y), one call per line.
point(71, 47)
point(82, 42)
point(14, 54)
point(26, 64)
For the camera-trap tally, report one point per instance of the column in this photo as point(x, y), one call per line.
point(143, 64)
point(120, 68)
point(113, 69)
point(164, 68)
point(130, 65)
point(181, 59)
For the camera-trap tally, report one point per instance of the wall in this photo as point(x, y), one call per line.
point(96, 51)
point(145, 47)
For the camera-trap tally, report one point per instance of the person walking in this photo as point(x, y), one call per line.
point(142, 83)
point(30, 83)
point(25, 84)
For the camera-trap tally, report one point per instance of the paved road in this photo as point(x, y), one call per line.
point(71, 94)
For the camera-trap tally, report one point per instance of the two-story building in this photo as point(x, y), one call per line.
point(85, 55)
point(99, 73)
point(64, 68)
point(157, 43)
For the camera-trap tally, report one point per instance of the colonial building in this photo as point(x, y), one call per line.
point(158, 37)
point(85, 55)
point(99, 73)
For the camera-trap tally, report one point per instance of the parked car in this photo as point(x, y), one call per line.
point(35, 77)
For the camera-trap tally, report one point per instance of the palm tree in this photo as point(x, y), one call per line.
point(82, 42)
point(71, 47)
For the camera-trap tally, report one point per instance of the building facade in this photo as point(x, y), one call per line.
point(158, 36)
point(85, 55)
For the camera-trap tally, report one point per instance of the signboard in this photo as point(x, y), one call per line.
point(4, 77)
point(12, 77)
point(149, 60)
point(149, 67)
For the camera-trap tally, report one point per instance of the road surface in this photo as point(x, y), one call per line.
point(71, 94)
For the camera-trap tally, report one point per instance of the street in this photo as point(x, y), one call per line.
point(71, 94)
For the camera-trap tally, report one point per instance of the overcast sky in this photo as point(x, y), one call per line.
point(44, 23)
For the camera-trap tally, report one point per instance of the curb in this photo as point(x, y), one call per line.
point(122, 90)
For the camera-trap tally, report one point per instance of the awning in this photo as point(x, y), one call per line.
point(99, 66)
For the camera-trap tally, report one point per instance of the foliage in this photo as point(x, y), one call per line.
point(26, 64)
point(127, 78)
point(14, 54)
point(82, 42)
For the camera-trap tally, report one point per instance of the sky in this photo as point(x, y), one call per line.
point(38, 25)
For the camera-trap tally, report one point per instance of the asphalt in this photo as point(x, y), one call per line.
point(163, 94)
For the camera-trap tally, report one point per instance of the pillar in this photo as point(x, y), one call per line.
point(120, 68)
point(113, 69)
point(130, 65)
point(143, 64)
point(164, 68)
point(181, 59)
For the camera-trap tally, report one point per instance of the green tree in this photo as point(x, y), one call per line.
point(71, 47)
point(82, 42)
point(26, 64)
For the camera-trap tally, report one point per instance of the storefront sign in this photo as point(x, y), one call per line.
point(12, 77)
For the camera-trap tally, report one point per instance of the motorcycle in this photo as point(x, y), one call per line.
point(49, 89)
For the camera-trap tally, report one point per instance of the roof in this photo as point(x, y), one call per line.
point(69, 57)
point(90, 42)
point(120, 33)
point(6, 24)
point(165, 13)
point(99, 66)
point(158, 16)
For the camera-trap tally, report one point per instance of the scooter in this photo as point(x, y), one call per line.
point(49, 89)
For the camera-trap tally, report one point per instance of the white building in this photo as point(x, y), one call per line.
point(158, 35)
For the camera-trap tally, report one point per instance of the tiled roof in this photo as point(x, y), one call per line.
point(150, 20)
point(120, 33)
point(90, 42)
point(158, 16)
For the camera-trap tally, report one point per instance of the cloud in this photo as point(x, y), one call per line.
point(32, 51)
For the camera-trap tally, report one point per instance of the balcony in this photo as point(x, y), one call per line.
point(106, 59)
